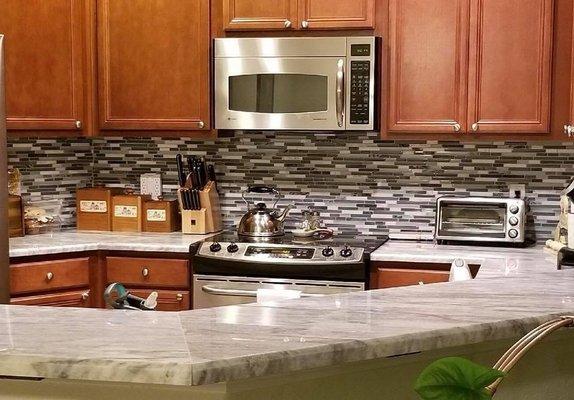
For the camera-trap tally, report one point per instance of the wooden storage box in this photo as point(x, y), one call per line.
point(161, 216)
point(127, 212)
point(94, 208)
point(15, 216)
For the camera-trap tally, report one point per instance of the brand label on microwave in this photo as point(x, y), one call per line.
point(94, 206)
point(156, 215)
point(126, 211)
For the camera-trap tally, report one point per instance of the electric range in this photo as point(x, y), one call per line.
point(231, 269)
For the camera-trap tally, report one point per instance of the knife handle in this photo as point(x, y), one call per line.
point(180, 172)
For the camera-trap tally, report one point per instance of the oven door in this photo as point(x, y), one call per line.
point(280, 93)
point(215, 291)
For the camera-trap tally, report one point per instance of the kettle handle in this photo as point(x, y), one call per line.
point(261, 190)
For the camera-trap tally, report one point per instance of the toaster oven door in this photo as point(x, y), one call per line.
point(298, 93)
point(472, 221)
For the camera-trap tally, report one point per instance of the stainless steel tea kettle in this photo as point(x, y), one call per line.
point(261, 221)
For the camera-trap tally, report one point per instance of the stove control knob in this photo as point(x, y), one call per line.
point(328, 252)
point(513, 233)
point(513, 221)
point(346, 252)
point(233, 248)
point(215, 247)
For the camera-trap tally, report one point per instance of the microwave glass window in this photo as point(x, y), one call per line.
point(473, 220)
point(278, 93)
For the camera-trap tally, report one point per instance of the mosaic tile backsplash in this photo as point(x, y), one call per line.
point(358, 182)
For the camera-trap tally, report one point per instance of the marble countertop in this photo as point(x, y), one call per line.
point(75, 241)
point(516, 290)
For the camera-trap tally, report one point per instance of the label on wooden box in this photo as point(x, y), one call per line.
point(156, 215)
point(126, 211)
point(94, 206)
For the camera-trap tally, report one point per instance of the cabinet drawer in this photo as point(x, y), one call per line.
point(79, 298)
point(167, 300)
point(393, 277)
point(148, 272)
point(49, 275)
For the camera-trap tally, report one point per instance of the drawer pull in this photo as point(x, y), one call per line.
point(145, 272)
point(179, 297)
point(85, 296)
point(49, 276)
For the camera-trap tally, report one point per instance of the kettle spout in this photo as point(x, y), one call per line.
point(281, 217)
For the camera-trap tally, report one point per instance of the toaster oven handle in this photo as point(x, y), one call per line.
point(340, 92)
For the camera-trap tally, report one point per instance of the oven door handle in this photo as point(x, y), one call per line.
point(340, 91)
point(243, 293)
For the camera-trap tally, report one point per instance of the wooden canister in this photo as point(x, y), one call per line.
point(127, 212)
point(94, 208)
point(15, 216)
point(161, 216)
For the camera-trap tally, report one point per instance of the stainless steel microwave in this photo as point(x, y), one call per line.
point(311, 84)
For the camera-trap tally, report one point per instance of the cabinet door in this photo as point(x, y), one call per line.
point(337, 14)
point(167, 300)
point(153, 64)
point(395, 277)
point(510, 65)
point(65, 299)
point(44, 63)
point(428, 65)
point(260, 14)
point(149, 272)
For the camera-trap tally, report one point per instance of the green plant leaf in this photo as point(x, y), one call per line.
point(455, 378)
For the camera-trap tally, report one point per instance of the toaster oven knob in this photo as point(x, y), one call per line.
point(513, 233)
point(346, 252)
point(215, 247)
point(514, 209)
point(328, 251)
point(513, 221)
point(232, 248)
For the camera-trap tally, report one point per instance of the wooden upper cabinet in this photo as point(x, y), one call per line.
point(45, 63)
point(510, 65)
point(154, 64)
point(260, 14)
point(428, 65)
point(337, 14)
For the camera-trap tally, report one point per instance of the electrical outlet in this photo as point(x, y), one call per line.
point(517, 191)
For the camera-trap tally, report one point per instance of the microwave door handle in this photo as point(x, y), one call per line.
point(243, 293)
point(340, 92)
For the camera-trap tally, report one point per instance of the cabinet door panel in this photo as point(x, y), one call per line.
point(428, 65)
point(148, 272)
point(510, 67)
point(260, 14)
point(167, 300)
point(154, 64)
point(65, 299)
point(394, 277)
point(44, 63)
point(337, 14)
point(45, 276)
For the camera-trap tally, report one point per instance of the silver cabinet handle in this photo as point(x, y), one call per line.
point(569, 130)
point(475, 127)
point(340, 91)
point(78, 124)
point(456, 127)
point(49, 276)
point(145, 272)
point(287, 24)
point(85, 296)
point(304, 24)
point(243, 293)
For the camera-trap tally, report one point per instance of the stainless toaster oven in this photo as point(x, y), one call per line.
point(480, 219)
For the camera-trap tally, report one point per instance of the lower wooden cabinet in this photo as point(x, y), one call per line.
point(50, 275)
point(80, 298)
point(168, 300)
point(148, 272)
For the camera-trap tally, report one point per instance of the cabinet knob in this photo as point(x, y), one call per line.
point(456, 127)
point(85, 296)
point(49, 276)
point(304, 24)
point(475, 127)
point(287, 24)
point(179, 297)
point(200, 124)
point(569, 130)
point(78, 124)
point(145, 272)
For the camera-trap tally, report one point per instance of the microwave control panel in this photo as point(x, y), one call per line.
point(360, 92)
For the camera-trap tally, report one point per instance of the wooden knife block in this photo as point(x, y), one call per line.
point(206, 220)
